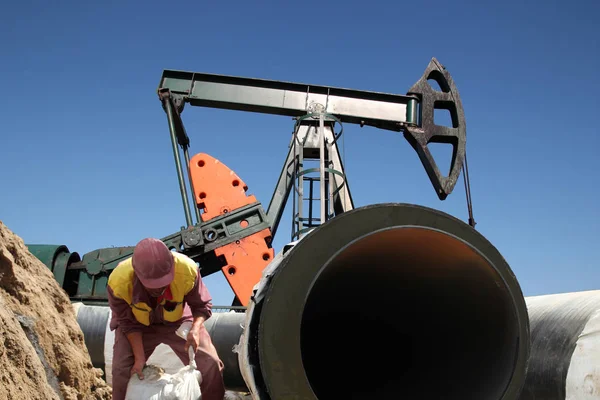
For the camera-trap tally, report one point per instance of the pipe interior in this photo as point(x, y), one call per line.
point(409, 313)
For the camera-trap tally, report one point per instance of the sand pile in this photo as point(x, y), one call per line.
point(42, 352)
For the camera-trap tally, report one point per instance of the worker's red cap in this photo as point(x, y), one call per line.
point(153, 263)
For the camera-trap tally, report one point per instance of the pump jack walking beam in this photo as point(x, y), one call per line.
point(412, 114)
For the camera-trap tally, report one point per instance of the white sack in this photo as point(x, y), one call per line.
point(158, 385)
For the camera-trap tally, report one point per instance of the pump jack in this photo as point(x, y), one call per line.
point(293, 339)
point(232, 232)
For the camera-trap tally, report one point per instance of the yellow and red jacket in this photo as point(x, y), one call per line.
point(185, 297)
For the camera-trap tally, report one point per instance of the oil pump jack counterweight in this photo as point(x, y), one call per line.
point(229, 223)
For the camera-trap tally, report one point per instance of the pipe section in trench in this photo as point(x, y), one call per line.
point(384, 301)
point(565, 347)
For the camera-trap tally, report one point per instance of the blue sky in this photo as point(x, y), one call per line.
point(85, 152)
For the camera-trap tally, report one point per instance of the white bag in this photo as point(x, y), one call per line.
point(157, 385)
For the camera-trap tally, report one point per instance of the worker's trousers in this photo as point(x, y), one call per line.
point(207, 359)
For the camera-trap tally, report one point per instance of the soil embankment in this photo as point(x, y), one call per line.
point(42, 352)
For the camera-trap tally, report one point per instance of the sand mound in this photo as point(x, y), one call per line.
point(42, 352)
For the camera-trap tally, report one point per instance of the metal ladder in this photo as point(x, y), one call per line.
point(315, 141)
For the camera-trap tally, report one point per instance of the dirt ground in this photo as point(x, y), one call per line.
point(42, 352)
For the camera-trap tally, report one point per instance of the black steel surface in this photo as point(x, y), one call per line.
point(225, 329)
point(556, 324)
point(92, 321)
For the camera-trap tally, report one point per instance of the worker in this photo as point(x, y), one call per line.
point(150, 295)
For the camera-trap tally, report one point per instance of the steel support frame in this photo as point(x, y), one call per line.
point(313, 139)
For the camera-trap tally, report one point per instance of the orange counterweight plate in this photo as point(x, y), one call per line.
point(217, 189)
point(246, 259)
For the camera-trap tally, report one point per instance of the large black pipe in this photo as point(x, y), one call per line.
point(565, 347)
point(387, 301)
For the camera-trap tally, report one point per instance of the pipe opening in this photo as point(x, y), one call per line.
point(413, 313)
